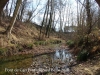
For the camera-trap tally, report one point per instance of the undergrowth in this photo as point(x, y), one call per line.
point(70, 43)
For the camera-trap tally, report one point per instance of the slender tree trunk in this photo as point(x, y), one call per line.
point(43, 22)
point(89, 18)
point(47, 20)
point(9, 29)
point(48, 28)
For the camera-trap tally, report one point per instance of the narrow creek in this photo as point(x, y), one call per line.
point(58, 61)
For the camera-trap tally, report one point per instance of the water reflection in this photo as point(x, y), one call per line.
point(62, 55)
point(59, 60)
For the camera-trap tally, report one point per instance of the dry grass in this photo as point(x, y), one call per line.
point(21, 33)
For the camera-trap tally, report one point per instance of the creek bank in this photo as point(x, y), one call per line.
point(90, 67)
point(40, 50)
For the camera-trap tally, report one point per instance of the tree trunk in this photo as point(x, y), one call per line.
point(9, 29)
point(89, 18)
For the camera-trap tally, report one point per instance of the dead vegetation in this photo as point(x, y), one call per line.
point(24, 39)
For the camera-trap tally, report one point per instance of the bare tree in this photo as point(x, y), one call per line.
point(9, 29)
point(44, 21)
point(89, 18)
point(22, 9)
point(48, 28)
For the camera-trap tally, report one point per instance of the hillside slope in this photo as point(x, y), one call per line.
point(22, 32)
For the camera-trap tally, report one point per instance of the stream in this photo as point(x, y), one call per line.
point(56, 62)
point(59, 61)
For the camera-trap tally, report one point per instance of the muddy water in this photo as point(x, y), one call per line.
point(59, 61)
